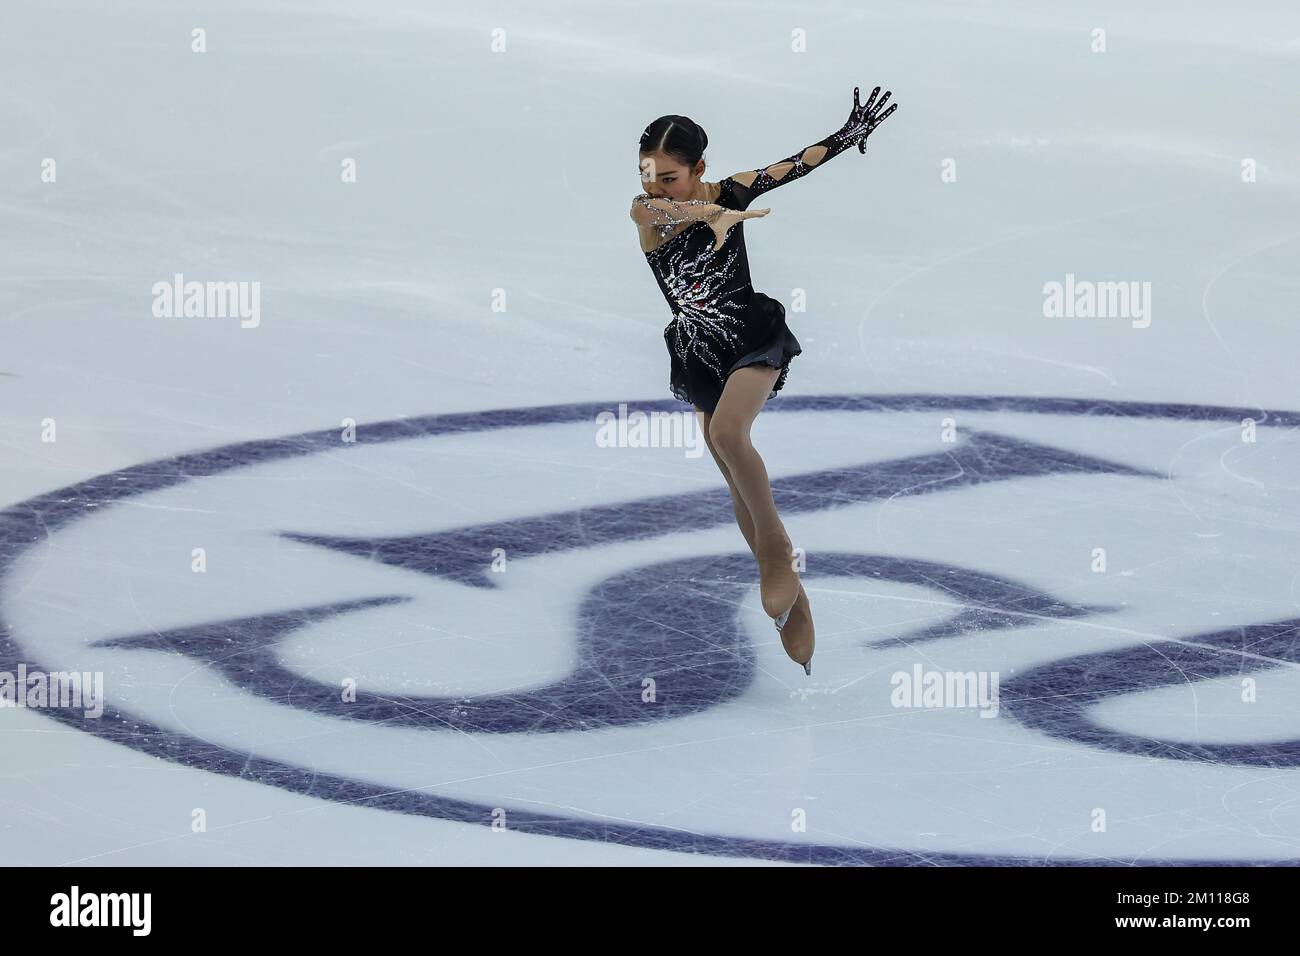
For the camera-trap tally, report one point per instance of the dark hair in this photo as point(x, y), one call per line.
point(678, 136)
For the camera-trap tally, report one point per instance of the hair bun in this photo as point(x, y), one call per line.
point(702, 136)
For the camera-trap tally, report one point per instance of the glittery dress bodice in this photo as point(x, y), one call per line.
point(719, 322)
point(716, 312)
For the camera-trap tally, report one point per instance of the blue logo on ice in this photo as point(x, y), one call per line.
point(662, 621)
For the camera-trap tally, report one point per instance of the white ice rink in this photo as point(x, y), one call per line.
point(466, 632)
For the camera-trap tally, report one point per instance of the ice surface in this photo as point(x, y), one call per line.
point(1158, 694)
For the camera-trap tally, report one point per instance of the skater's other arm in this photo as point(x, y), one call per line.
point(863, 119)
point(656, 217)
point(657, 211)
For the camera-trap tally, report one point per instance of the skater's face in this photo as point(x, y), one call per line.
point(668, 178)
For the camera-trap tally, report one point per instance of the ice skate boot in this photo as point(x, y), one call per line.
point(796, 629)
point(777, 580)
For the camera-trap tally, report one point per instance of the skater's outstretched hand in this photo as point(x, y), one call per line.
point(865, 117)
point(729, 217)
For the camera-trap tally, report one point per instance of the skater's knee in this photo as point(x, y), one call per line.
point(729, 436)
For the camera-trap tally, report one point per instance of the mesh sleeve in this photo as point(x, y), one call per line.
point(789, 169)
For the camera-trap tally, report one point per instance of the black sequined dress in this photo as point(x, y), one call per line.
point(720, 323)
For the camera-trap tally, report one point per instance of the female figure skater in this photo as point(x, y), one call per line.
point(729, 346)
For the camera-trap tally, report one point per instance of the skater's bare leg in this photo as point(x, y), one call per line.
point(742, 399)
point(743, 519)
point(797, 634)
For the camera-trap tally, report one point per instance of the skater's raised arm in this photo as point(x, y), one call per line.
point(863, 119)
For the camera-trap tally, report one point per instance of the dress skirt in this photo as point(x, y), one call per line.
point(766, 341)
